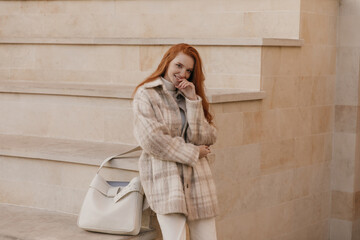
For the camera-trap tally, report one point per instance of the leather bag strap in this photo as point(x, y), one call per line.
point(119, 156)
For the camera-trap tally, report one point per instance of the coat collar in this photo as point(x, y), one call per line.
point(154, 83)
point(158, 82)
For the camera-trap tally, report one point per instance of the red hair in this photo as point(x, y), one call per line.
point(197, 76)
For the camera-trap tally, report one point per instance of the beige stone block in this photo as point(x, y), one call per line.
point(322, 119)
point(303, 151)
point(348, 61)
point(347, 89)
point(4, 74)
point(247, 60)
point(26, 74)
point(87, 123)
point(357, 164)
point(14, 115)
point(317, 231)
point(9, 7)
point(323, 91)
point(326, 7)
point(340, 229)
point(89, 58)
point(358, 119)
point(42, 196)
point(305, 91)
point(318, 148)
point(290, 61)
point(357, 204)
point(270, 125)
point(20, 25)
point(346, 118)
point(324, 60)
point(333, 29)
point(289, 121)
point(83, 76)
point(223, 80)
point(286, 123)
point(328, 141)
point(17, 56)
point(150, 57)
point(270, 63)
point(65, 25)
point(356, 229)
point(277, 220)
point(321, 205)
point(270, 24)
point(315, 28)
point(132, 78)
point(348, 36)
point(229, 124)
point(292, 5)
point(343, 162)
point(277, 156)
point(232, 165)
point(307, 60)
point(251, 194)
point(295, 184)
point(56, 173)
point(252, 127)
point(70, 117)
point(349, 7)
point(119, 126)
point(342, 205)
point(321, 178)
point(284, 92)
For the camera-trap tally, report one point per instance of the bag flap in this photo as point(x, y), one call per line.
point(133, 186)
point(101, 185)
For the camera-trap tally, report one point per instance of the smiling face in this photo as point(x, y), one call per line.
point(179, 68)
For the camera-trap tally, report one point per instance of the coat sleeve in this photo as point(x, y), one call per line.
point(154, 137)
point(200, 131)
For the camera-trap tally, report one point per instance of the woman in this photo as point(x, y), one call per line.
point(174, 128)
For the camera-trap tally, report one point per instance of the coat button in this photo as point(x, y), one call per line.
point(187, 185)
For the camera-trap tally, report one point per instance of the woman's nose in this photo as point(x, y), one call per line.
point(183, 73)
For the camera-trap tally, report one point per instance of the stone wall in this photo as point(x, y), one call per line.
point(345, 222)
point(287, 167)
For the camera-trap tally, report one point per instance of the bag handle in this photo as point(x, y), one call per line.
point(121, 155)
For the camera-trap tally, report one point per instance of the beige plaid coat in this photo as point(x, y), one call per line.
point(174, 179)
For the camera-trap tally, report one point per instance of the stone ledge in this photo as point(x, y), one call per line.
point(64, 150)
point(22, 223)
point(231, 42)
point(72, 151)
point(215, 95)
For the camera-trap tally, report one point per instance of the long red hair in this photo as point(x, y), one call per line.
point(197, 76)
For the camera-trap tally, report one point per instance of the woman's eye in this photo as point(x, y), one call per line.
point(178, 65)
point(189, 71)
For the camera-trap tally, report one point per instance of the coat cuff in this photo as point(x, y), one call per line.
point(194, 104)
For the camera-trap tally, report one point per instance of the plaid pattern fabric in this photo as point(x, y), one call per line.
point(174, 179)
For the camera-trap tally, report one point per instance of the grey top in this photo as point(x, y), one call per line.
point(179, 100)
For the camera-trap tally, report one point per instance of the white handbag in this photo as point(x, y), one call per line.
point(113, 207)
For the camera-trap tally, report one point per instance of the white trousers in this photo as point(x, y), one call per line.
point(173, 227)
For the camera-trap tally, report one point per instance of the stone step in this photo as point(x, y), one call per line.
point(45, 169)
point(265, 18)
point(124, 64)
point(55, 174)
point(91, 112)
point(24, 223)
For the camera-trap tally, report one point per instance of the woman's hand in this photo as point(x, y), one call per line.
point(187, 88)
point(204, 151)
